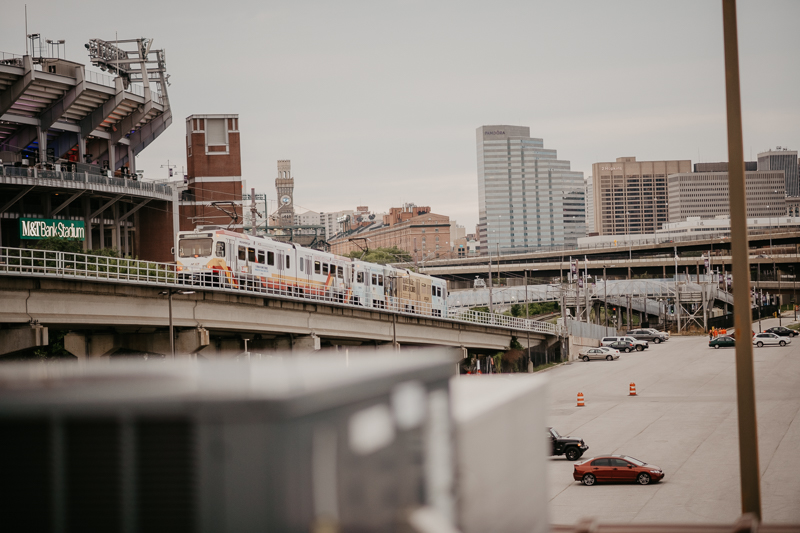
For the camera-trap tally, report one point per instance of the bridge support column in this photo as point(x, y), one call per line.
point(19, 338)
point(305, 344)
point(88, 345)
point(190, 341)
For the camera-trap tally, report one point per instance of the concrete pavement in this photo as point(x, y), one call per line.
point(683, 420)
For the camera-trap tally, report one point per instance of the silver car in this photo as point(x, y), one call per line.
point(767, 339)
point(602, 352)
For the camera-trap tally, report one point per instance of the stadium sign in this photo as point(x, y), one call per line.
point(40, 228)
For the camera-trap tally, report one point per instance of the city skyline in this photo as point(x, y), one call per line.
point(377, 105)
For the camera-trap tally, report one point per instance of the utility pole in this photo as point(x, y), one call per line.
point(586, 285)
point(749, 470)
point(777, 272)
point(491, 308)
point(563, 321)
point(527, 324)
point(605, 295)
point(253, 212)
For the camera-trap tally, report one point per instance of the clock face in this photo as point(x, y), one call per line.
point(286, 200)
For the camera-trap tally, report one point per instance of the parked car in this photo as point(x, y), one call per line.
point(769, 339)
point(664, 333)
point(640, 345)
point(599, 353)
point(619, 468)
point(622, 346)
point(723, 341)
point(647, 335)
point(782, 331)
point(571, 447)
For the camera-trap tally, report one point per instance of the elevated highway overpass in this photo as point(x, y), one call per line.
point(655, 258)
point(118, 306)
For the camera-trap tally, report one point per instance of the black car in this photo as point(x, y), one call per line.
point(782, 331)
point(622, 346)
point(571, 447)
point(723, 341)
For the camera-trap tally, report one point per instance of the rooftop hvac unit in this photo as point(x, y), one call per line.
point(286, 444)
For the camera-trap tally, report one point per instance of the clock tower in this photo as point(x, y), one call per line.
point(284, 184)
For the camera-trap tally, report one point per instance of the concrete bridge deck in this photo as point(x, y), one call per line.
point(120, 303)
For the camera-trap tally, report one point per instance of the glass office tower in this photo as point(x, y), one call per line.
point(528, 199)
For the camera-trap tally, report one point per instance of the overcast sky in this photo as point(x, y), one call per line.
point(376, 103)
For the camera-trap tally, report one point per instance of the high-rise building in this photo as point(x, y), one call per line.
point(630, 197)
point(589, 195)
point(782, 159)
point(705, 194)
point(527, 197)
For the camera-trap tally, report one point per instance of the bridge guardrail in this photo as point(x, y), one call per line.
point(68, 265)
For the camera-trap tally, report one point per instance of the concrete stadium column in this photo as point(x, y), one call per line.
point(124, 233)
point(47, 208)
point(136, 235)
point(112, 156)
point(81, 149)
point(87, 210)
point(18, 338)
point(115, 240)
point(131, 161)
point(101, 228)
point(41, 135)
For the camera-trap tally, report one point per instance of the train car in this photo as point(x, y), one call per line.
point(223, 258)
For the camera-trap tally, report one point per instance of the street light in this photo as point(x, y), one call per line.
point(171, 334)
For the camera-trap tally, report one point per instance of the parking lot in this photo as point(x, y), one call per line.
point(683, 419)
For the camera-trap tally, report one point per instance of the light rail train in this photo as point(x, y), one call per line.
point(225, 258)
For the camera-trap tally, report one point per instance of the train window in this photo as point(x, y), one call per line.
point(288, 262)
point(340, 272)
point(360, 277)
point(316, 267)
point(251, 255)
point(380, 281)
point(308, 266)
point(325, 269)
point(242, 253)
point(220, 249)
point(374, 279)
point(194, 247)
point(271, 258)
point(301, 264)
point(261, 257)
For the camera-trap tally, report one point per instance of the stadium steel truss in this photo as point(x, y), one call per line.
point(54, 110)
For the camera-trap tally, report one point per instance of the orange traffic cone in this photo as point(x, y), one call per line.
point(632, 390)
point(580, 399)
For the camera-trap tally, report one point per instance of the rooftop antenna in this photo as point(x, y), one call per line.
point(26, 29)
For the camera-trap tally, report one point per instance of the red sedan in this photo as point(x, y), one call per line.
point(617, 468)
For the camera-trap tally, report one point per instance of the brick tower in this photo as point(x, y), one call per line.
point(214, 165)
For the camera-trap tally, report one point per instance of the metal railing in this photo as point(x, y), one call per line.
point(505, 321)
point(85, 177)
point(67, 265)
point(6, 58)
point(99, 79)
point(619, 247)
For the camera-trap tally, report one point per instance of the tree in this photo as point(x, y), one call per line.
point(382, 256)
point(57, 244)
